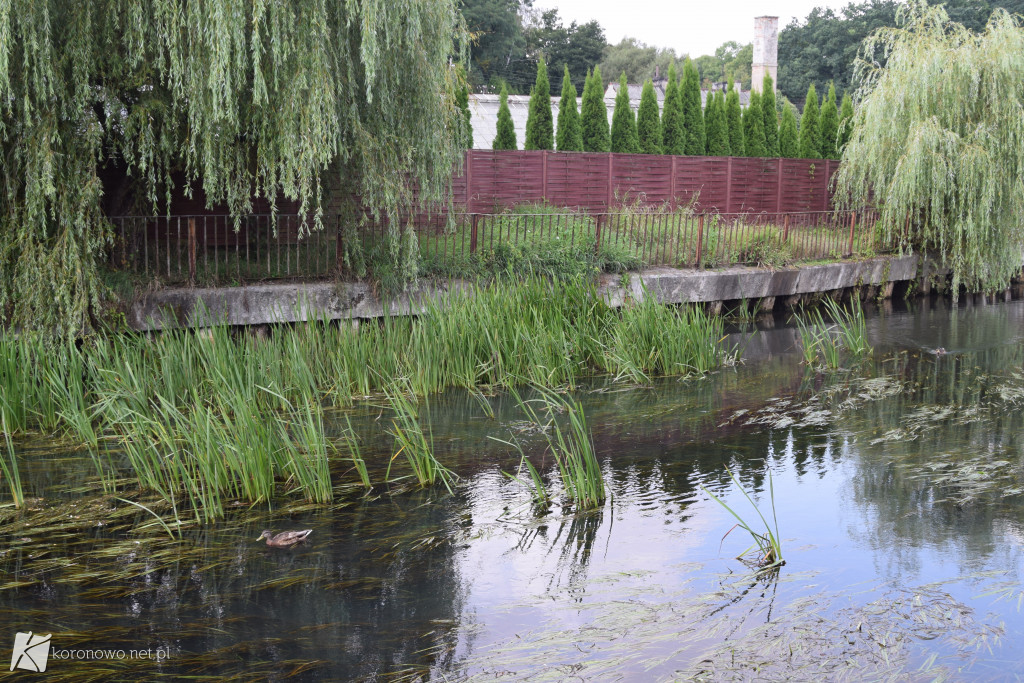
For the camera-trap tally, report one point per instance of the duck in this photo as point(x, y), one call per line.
point(939, 351)
point(285, 539)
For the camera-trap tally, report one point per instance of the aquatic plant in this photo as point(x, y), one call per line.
point(768, 544)
point(847, 331)
point(351, 442)
point(410, 439)
point(850, 324)
point(571, 445)
point(10, 465)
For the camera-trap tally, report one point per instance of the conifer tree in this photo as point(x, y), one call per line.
point(648, 126)
point(624, 134)
point(506, 137)
point(570, 135)
point(771, 117)
point(462, 100)
point(788, 142)
point(845, 123)
point(810, 131)
point(594, 115)
point(540, 125)
point(715, 125)
point(734, 121)
point(673, 135)
point(829, 124)
point(693, 116)
point(753, 128)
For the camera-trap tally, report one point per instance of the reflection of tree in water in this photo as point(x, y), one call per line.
point(937, 460)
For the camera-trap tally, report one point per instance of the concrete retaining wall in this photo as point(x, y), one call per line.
point(283, 303)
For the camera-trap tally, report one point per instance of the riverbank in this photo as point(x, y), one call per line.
point(763, 288)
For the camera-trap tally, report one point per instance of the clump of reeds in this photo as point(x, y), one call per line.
point(9, 466)
point(411, 440)
point(820, 340)
point(351, 442)
point(767, 545)
point(570, 445)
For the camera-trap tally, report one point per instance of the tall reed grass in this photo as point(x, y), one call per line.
point(570, 445)
point(207, 417)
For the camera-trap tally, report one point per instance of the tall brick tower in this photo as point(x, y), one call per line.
point(766, 52)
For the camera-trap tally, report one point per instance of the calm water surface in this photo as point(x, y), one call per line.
point(897, 489)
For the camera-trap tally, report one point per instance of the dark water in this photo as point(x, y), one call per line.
point(897, 489)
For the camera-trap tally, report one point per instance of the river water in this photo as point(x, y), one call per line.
point(896, 484)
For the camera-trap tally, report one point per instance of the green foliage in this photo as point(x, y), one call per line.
point(594, 115)
point(771, 117)
point(497, 31)
point(540, 133)
point(809, 146)
point(753, 128)
point(734, 119)
point(769, 543)
point(648, 126)
point(624, 133)
point(637, 60)
point(829, 125)
point(238, 100)
point(788, 142)
point(693, 116)
point(576, 46)
point(937, 140)
point(845, 123)
point(731, 62)
point(506, 136)
point(462, 101)
point(673, 135)
point(716, 125)
point(570, 135)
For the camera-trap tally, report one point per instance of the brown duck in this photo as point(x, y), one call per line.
point(285, 539)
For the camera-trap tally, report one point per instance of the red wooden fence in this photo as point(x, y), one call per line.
point(595, 181)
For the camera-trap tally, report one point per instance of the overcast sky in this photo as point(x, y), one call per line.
point(690, 27)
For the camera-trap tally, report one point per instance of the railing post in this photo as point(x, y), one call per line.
point(853, 226)
point(472, 235)
point(785, 228)
point(700, 240)
point(192, 251)
point(338, 245)
point(597, 235)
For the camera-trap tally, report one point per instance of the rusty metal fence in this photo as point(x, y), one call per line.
point(217, 249)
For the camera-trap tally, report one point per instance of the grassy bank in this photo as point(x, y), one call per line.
point(209, 417)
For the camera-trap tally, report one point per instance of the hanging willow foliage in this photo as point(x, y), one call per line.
point(278, 99)
point(938, 142)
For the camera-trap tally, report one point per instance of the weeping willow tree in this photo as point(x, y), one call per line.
point(241, 100)
point(938, 142)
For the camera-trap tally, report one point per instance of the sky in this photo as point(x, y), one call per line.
point(700, 27)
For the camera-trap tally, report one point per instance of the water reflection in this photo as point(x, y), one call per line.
point(897, 473)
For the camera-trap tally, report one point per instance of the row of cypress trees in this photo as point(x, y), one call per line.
point(720, 128)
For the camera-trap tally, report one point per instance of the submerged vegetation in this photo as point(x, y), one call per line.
point(211, 417)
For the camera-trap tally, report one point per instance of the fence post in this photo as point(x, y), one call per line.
point(338, 246)
point(544, 175)
point(785, 228)
point(700, 240)
point(611, 179)
point(778, 194)
point(597, 235)
point(472, 235)
point(672, 184)
point(469, 179)
point(853, 226)
point(192, 251)
point(728, 186)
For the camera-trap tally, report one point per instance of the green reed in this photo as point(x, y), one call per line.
point(208, 416)
point(570, 445)
point(351, 442)
point(819, 339)
point(767, 544)
point(9, 467)
point(412, 441)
